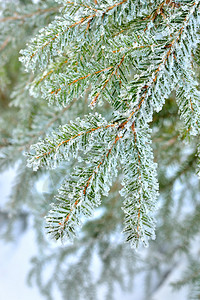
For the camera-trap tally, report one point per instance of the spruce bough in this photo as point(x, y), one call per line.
point(131, 55)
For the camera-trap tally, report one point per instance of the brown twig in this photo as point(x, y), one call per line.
point(5, 43)
point(22, 17)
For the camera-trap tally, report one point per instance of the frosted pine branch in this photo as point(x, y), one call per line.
point(70, 140)
point(140, 186)
point(128, 56)
point(79, 195)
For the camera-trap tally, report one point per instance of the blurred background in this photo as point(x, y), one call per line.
point(99, 265)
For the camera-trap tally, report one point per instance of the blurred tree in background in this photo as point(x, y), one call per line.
point(27, 117)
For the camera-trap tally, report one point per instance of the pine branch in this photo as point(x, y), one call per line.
point(68, 141)
point(47, 39)
point(133, 55)
point(140, 186)
point(79, 195)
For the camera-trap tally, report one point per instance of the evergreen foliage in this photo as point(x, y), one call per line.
point(88, 115)
point(132, 55)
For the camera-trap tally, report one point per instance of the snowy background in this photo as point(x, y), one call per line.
point(15, 265)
